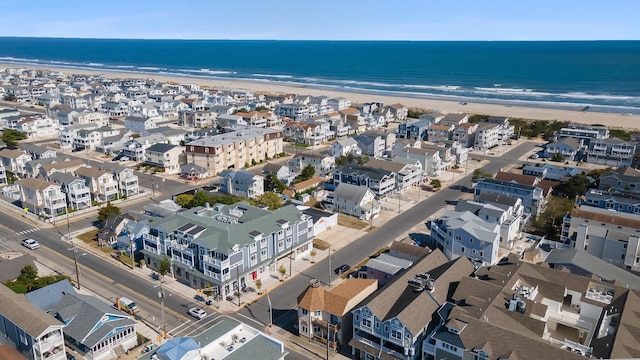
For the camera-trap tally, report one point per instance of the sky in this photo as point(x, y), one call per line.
point(324, 20)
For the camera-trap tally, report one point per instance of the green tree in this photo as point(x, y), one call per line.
point(107, 210)
point(260, 108)
point(313, 254)
point(480, 174)
point(259, 285)
point(557, 157)
point(306, 174)
point(549, 222)
point(576, 185)
point(184, 200)
point(273, 184)
point(9, 97)
point(164, 267)
point(436, 184)
point(199, 199)
point(28, 276)
point(12, 136)
point(270, 200)
point(597, 173)
point(283, 271)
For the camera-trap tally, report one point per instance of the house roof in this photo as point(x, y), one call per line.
point(303, 185)
point(90, 172)
point(36, 183)
point(335, 301)
point(193, 168)
point(408, 249)
point(24, 314)
point(12, 153)
point(176, 348)
point(519, 178)
point(161, 148)
point(84, 315)
point(350, 192)
point(595, 266)
point(47, 297)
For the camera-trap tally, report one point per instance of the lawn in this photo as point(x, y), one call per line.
point(89, 237)
point(320, 244)
point(351, 222)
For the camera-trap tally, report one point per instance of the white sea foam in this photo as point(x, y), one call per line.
point(95, 64)
point(150, 68)
point(276, 76)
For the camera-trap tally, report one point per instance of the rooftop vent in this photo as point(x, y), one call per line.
point(517, 304)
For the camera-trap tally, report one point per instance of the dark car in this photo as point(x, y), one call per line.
point(342, 269)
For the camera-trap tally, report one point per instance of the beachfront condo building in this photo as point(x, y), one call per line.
point(234, 150)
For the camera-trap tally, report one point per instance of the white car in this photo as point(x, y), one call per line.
point(197, 313)
point(30, 244)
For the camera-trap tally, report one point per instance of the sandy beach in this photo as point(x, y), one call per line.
point(613, 120)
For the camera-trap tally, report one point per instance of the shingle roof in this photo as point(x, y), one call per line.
point(350, 192)
point(24, 314)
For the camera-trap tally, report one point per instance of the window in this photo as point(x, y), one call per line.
point(263, 243)
point(458, 238)
point(462, 249)
point(317, 313)
point(470, 240)
point(305, 329)
point(473, 251)
point(263, 254)
point(305, 312)
point(481, 253)
point(366, 322)
point(396, 334)
point(280, 245)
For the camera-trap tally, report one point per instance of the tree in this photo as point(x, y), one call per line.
point(107, 210)
point(259, 286)
point(9, 97)
point(12, 136)
point(436, 184)
point(282, 270)
point(557, 157)
point(480, 174)
point(184, 200)
point(313, 254)
point(306, 174)
point(28, 276)
point(576, 185)
point(270, 200)
point(164, 267)
point(549, 221)
point(260, 108)
point(199, 199)
point(273, 184)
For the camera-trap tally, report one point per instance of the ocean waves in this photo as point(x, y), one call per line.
point(387, 83)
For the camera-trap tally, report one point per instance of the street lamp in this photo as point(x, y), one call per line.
point(270, 310)
point(153, 187)
point(162, 295)
point(75, 261)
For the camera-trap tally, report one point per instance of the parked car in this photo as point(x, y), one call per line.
point(342, 269)
point(30, 244)
point(197, 313)
point(124, 158)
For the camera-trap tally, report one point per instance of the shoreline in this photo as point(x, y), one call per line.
point(445, 104)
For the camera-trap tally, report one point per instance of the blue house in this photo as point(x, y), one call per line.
point(415, 130)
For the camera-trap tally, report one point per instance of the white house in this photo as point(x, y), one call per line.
point(358, 201)
point(343, 147)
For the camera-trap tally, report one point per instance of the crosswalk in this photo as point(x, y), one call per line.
point(27, 231)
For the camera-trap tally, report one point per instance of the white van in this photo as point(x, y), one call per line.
point(128, 305)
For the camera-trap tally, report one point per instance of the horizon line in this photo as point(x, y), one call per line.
point(292, 40)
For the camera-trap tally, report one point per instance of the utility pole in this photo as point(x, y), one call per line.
point(290, 261)
point(66, 209)
point(161, 295)
point(133, 266)
point(270, 310)
point(153, 188)
point(75, 261)
point(238, 282)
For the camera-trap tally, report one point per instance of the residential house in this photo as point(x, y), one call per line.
point(551, 172)
point(612, 152)
point(128, 184)
point(231, 120)
point(325, 315)
point(139, 124)
point(510, 225)
point(618, 200)
point(241, 183)
point(584, 133)
point(308, 133)
point(169, 157)
point(346, 146)
point(401, 144)
point(322, 220)
point(38, 126)
point(173, 136)
point(240, 243)
point(454, 119)
point(282, 172)
point(31, 331)
point(381, 182)
point(69, 133)
point(39, 152)
point(136, 148)
point(462, 233)
point(240, 342)
point(3, 175)
point(101, 183)
point(372, 144)
point(339, 103)
point(440, 132)
point(14, 161)
point(384, 268)
point(94, 327)
point(193, 172)
point(394, 323)
point(398, 111)
point(505, 129)
point(624, 178)
point(607, 235)
point(407, 251)
point(115, 109)
point(355, 200)
point(76, 190)
point(323, 164)
point(408, 175)
point(488, 136)
point(513, 205)
point(63, 166)
point(162, 209)
point(198, 119)
point(234, 150)
point(566, 148)
point(42, 197)
point(112, 228)
point(465, 134)
point(430, 159)
point(584, 264)
point(533, 191)
point(415, 129)
point(296, 112)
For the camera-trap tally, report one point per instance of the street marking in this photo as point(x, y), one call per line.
point(27, 231)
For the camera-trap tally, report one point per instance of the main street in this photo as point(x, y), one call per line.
point(110, 280)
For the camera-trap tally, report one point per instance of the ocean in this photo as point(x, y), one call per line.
point(600, 75)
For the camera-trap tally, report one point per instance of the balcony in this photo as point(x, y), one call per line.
point(215, 262)
point(429, 348)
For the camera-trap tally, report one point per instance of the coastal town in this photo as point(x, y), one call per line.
point(148, 219)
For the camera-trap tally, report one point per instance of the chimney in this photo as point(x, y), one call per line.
point(118, 305)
